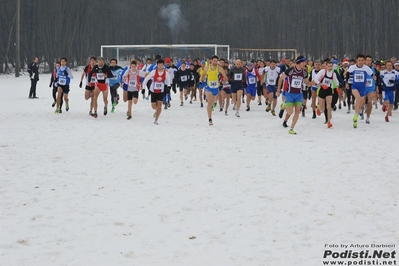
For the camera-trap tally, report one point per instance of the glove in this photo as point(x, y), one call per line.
point(80, 85)
point(49, 85)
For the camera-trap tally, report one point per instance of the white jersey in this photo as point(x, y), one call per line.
point(328, 78)
point(271, 75)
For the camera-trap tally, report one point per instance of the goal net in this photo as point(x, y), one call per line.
point(124, 53)
point(262, 54)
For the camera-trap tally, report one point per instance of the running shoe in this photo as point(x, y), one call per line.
point(386, 119)
point(56, 111)
point(202, 105)
point(181, 104)
point(129, 117)
point(221, 110)
point(339, 106)
point(210, 122)
point(259, 103)
point(329, 125)
point(60, 111)
point(155, 114)
point(156, 122)
point(248, 109)
point(283, 106)
point(349, 111)
point(185, 97)
point(318, 112)
point(280, 114)
point(113, 109)
point(273, 113)
point(105, 110)
point(384, 108)
point(67, 108)
point(314, 115)
point(238, 114)
point(54, 103)
point(113, 104)
point(291, 132)
point(95, 115)
point(90, 113)
point(191, 102)
point(285, 124)
point(355, 118)
point(344, 104)
point(225, 113)
point(268, 108)
point(169, 104)
point(303, 112)
point(234, 107)
point(367, 121)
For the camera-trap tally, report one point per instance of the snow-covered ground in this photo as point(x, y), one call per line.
point(75, 190)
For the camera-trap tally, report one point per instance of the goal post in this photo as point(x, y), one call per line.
point(263, 54)
point(123, 53)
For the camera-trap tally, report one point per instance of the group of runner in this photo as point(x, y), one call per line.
point(359, 83)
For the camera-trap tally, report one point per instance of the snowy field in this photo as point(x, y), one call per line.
point(75, 190)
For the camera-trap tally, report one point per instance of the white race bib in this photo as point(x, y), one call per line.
point(213, 84)
point(296, 83)
point(62, 81)
point(158, 85)
point(100, 76)
point(237, 76)
point(251, 80)
point(350, 80)
point(369, 83)
point(132, 83)
point(327, 82)
point(183, 78)
point(359, 77)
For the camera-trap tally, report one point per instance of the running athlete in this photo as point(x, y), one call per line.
point(183, 76)
point(160, 79)
point(360, 75)
point(99, 75)
point(271, 79)
point(252, 76)
point(370, 87)
point(172, 69)
point(237, 79)
point(211, 72)
point(132, 79)
point(114, 82)
point(259, 88)
point(63, 78)
point(389, 79)
point(191, 84)
point(317, 67)
point(225, 93)
point(53, 84)
point(201, 84)
point(89, 88)
point(327, 79)
point(296, 76)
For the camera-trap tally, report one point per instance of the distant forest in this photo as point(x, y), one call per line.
point(51, 29)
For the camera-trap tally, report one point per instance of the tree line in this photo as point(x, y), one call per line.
point(76, 29)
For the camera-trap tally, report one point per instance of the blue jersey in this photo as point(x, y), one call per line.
point(251, 78)
point(116, 71)
point(64, 75)
point(361, 75)
point(389, 79)
point(122, 73)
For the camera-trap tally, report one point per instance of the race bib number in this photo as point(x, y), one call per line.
point(100, 76)
point(213, 84)
point(272, 81)
point(251, 80)
point(132, 83)
point(62, 81)
point(327, 82)
point(183, 78)
point(158, 85)
point(359, 77)
point(369, 83)
point(237, 76)
point(296, 83)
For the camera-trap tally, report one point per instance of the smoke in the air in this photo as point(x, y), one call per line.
point(177, 24)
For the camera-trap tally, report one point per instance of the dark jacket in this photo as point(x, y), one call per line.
point(33, 70)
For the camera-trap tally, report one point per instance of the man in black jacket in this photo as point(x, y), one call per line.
point(33, 71)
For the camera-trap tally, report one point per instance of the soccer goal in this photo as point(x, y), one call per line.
point(123, 53)
point(262, 54)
